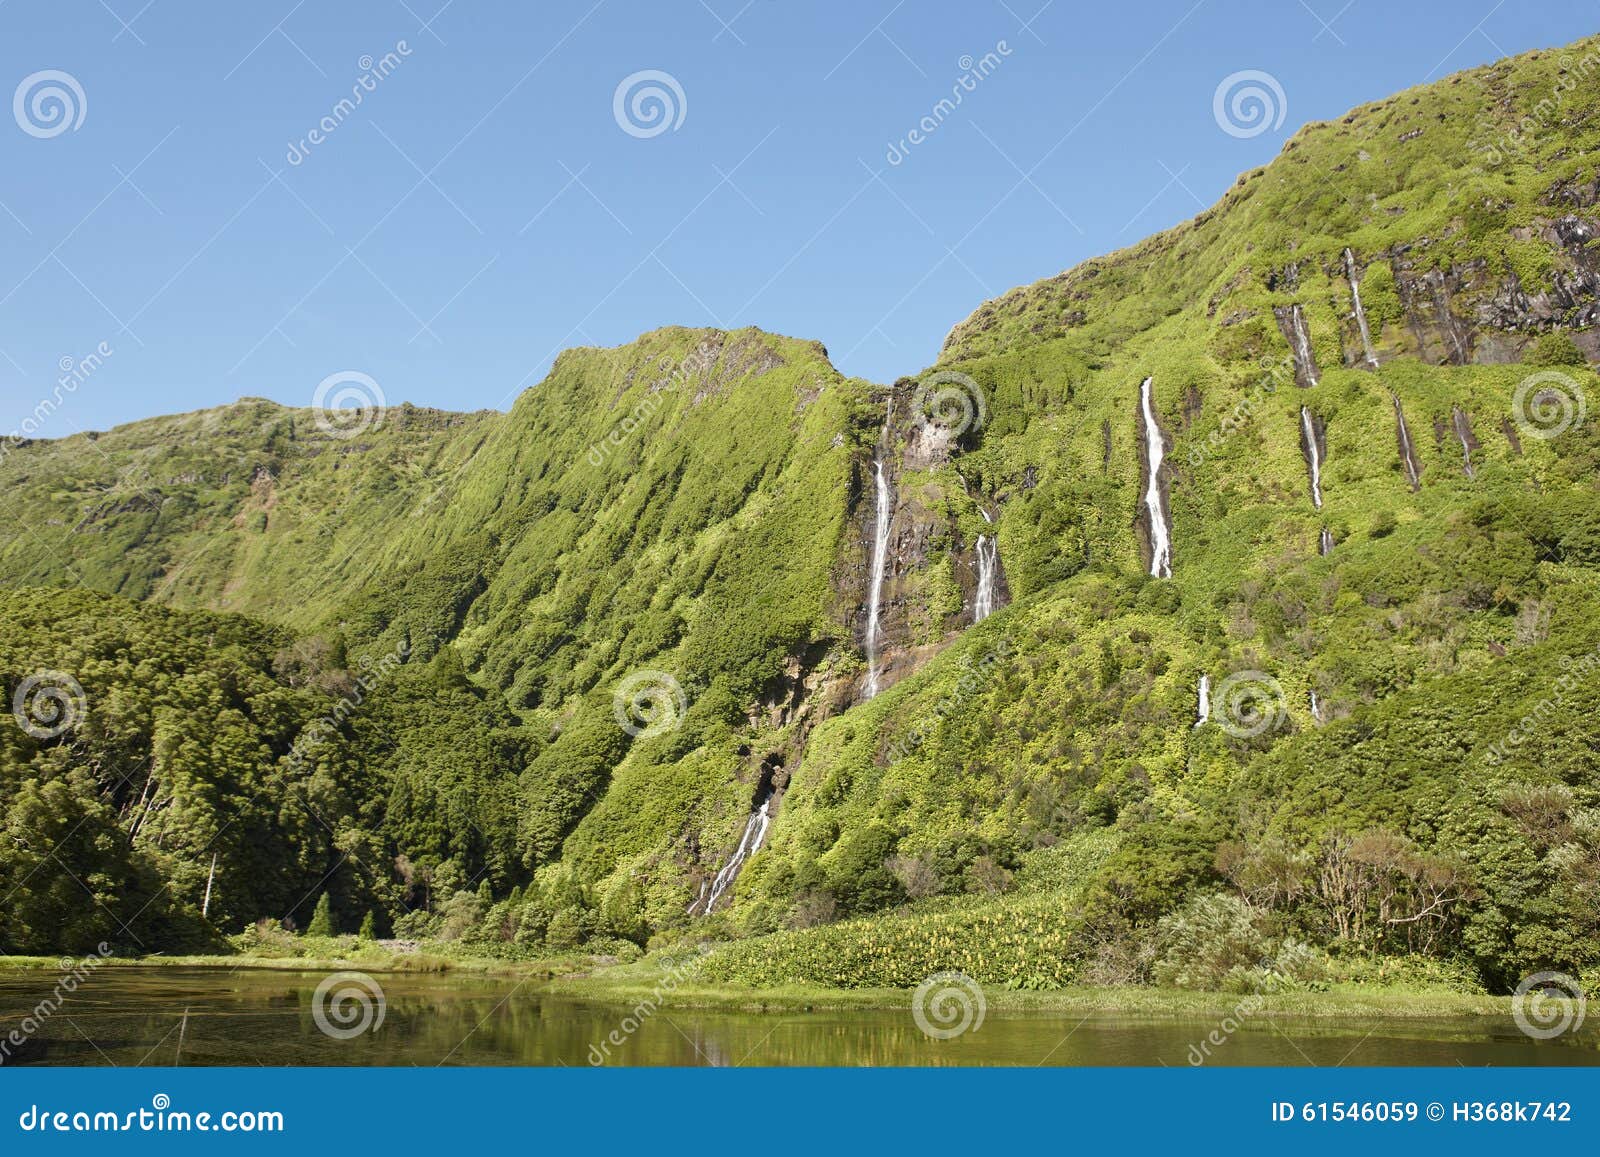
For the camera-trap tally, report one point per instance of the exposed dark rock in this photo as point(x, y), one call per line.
point(1408, 450)
point(1461, 425)
point(1292, 324)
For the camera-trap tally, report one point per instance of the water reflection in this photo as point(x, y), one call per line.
point(216, 1017)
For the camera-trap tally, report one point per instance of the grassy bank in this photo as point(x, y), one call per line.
point(582, 978)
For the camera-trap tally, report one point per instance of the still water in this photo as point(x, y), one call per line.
point(172, 1016)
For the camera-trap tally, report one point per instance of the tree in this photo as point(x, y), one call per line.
point(322, 919)
point(369, 927)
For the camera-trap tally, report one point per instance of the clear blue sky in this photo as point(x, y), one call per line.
point(482, 208)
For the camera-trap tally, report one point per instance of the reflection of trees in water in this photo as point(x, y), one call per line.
point(197, 1017)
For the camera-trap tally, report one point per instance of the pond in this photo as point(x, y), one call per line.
point(214, 1016)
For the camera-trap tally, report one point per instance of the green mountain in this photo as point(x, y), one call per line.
point(604, 670)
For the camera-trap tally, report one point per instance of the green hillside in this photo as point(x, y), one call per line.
point(567, 650)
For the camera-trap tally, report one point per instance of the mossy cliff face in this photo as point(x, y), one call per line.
point(635, 607)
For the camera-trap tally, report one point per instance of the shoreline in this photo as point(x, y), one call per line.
point(632, 984)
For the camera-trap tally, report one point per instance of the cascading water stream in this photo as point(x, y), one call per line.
point(1361, 315)
point(1462, 425)
point(1154, 455)
point(1302, 345)
point(1316, 707)
point(988, 565)
point(880, 557)
point(1203, 711)
point(1408, 452)
point(755, 832)
point(1325, 542)
point(1308, 429)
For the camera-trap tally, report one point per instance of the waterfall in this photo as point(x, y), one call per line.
point(988, 566)
point(755, 832)
point(1308, 428)
point(1408, 452)
point(880, 556)
point(1325, 542)
point(1302, 345)
point(1462, 426)
point(1155, 454)
point(1316, 707)
point(1203, 713)
point(1361, 314)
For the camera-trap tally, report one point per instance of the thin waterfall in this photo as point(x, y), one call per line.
point(1361, 314)
point(1462, 425)
point(1155, 455)
point(1408, 452)
point(880, 554)
point(1325, 542)
point(1316, 706)
point(988, 566)
point(1203, 712)
point(755, 832)
point(1308, 429)
point(1293, 324)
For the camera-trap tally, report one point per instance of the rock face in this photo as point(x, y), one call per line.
point(1368, 357)
point(1292, 323)
point(1468, 313)
point(1409, 462)
point(934, 579)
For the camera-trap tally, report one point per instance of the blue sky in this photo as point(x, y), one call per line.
point(483, 207)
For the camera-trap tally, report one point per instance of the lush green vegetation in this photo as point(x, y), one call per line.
point(414, 733)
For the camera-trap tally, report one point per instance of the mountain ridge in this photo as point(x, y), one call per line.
point(633, 611)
